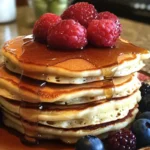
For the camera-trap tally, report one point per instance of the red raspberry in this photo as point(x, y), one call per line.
point(82, 12)
point(122, 140)
point(43, 24)
point(110, 16)
point(143, 77)
point(68, 34)
point(103, 32)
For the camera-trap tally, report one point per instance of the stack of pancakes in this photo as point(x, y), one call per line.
point(66, 94)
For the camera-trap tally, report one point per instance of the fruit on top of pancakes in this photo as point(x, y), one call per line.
point(81, 12)
point(123, 139)
point(110, 16)
point(103, 33)
point(89, 142)
point(141, 129)
point(43, 24)
point(67, 34)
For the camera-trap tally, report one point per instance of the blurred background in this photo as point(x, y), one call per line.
point(17, 17)
point(133, 9)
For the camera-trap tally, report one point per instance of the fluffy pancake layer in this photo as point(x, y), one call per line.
point(73, 116)
point(18, 88)
point(75, 67)
point(67, 135)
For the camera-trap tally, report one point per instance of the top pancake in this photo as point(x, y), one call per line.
point(35, 60)
point(19, 88)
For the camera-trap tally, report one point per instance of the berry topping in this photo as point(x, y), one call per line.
point(141, 129)
point(89, 143)
point(122, 140)
point(43, 24)
point(145, 115)
point(82, 12)
point(145, 89)
point(68, 34)
point(144, 104)
point(110, 16)
point(102, 33)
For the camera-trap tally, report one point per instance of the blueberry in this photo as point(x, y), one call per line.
point(141, 129)
point(89, 143)
point(144, 104)
point(145, 115)
point(145, 89)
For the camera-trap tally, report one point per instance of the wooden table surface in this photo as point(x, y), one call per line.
point(135, 32)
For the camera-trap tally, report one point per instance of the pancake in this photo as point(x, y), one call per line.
point(73, 116)
point(25, 56)
point(67, 135)
point(18, 88)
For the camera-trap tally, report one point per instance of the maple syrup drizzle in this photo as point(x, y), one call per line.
point(109, 92)
point(109, 87)
point(99, 57)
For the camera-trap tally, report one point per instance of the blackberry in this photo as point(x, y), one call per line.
point(145, 89)
point(144, 104)
point(121, 140)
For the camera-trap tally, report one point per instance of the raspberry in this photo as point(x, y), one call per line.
point(122, 140)
point(110, 16)
point(43, 24)
point(82, 12)
point(103, 33)
point(142, 77)
point(68, 34)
